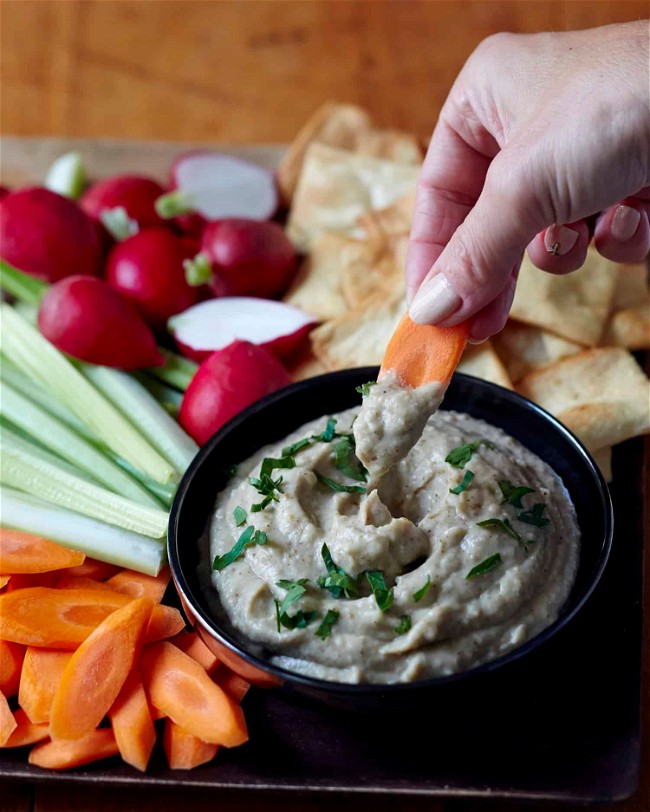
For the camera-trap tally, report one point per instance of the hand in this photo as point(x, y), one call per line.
point(539, 133)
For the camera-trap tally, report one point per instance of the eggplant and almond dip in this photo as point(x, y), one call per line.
point(444, 544)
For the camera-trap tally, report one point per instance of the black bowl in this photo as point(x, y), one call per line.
point(273, 418)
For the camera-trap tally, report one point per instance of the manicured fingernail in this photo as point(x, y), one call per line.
point(476, 341)
point(625, 223)
point(434, 301)
point(559, 240)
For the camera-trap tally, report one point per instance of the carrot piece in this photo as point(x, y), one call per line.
point(97, 570)
point(183, 750)
point(165, 622)
point(234, 685)
point(4, 580)
point(141, 586)
point(8, 722)
point(132, 724)
point(11, 662)
point(68, 581)
point(24, 553)
point(46, 579)
point(97, 671)
point(39, 679)
point(177, 685)
point(422, 353)
point(195, 648)
point(26, 732)
point(62, 754)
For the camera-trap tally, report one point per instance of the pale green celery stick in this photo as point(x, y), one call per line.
point(165, 395)
point(17, 438)
point(28, 471)
point(56, 436)
point(67, 175)
point(131, 397)
point(177, 371)
point(164, 493)
point(102, 541)
point(22, 286)
point(27, 348)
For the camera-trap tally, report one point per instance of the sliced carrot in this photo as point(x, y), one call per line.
point(195, 648)
point(234, 685)
point(92, 568)
point(68, 581)
point(26, 732)
point(97, 671)
point(165, 622)
point(178, 686)
point(8, 722)
point(23, 553)
point(4, 580)
point(62, 754)
point(11, 662)
point(138, 585)
point(39, 679)
point(47, 579)
point(423, 353)
point(183, 750)
point(132, 724)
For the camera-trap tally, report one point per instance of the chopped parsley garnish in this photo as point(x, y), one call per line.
point(269, 464)
point(417, 596)
point(330, 432)
point(364, 388)
point(298, 621)
point(345, 460)
point(485, 566)
point(404, 625)
point(338, 582)
point(383, 595)
point(534, 515)
point(513, 493)
point(295, 591)
point(285, 583)
point(267, 487)
point(501, 524)
point(469, 476)
point(294, 448)
point(325, 628)
point(249, 538)
point(240, 516)
point(339, 486)
point(462, 454)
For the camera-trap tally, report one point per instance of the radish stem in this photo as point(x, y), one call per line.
point(118, 223)
point(174, 204)
point(176, 372)
point(67, 176)
point(198, 271)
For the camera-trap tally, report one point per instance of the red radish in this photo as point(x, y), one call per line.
point(4, 191)
point(84, 317)
point(227, 382)
point(211, 186)
point(133, 193)
point(47, 235)
point(148, 270)
point(247, 258)
point(277, 327)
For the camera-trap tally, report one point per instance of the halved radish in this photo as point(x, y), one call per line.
point(212, 186)
point(212, 325)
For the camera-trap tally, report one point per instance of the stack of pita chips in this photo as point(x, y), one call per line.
point(350, 189)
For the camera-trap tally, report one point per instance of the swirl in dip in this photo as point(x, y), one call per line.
point(456, 545)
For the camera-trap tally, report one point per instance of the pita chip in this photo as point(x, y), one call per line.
point(482, 361)
point(603, 459)
point(393, 221)
point(371, 270)
point(523, 348)
point(629, 324)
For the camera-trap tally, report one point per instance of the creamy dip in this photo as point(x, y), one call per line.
point(448, 594)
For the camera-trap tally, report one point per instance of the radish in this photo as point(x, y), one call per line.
point(148, 270)
point(244, 258)
point(228, 381)
point(277, 327)
point(84, 317)
point(124, 204)
point(48, 235)
point(4, 191)
point(211, 186)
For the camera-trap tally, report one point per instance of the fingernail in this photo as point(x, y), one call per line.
point(625, 223)
point(559, 240)
point(434, 301)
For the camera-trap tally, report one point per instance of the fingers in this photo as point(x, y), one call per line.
point(492, 318)
point(623, 233)
point(560, 249)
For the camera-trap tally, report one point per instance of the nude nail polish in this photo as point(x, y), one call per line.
point(625, 223)
point(559, 240)
point(435, 300)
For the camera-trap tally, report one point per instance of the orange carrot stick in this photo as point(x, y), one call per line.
point(422, 353)
point(11, 662)
point(8, 722)
point(132, 724)
point(26, 732)
point(39, 679)
point(183, 750)
point(47, 579)
point(97, 671)
point(4, 580)
point(62, 754)
point(178, 686)
point(195, 648)
point(234, 685)
point(67, 581)
point(23, 553)
point(165, 622)
point(138, 585)
point(92, 568)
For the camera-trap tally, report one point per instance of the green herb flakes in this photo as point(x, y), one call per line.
point(298, 621)
point(330, 432)
point(364, 388)
point(338, 582)
point(339, 486)
point(501, 524)
point(294, 448)
point(513, 493)
point(485, 566)
point(383, 595)
point(464, 484)
point(240, 516)
point(404, 625)
point(534, 516)
point(249, 538)
point(345, 460)
point(269, 464)
point(417, 596)
point(462, 454)
point(325, 628)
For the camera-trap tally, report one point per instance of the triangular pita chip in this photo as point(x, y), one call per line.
point(482, 361)
point(523, 348)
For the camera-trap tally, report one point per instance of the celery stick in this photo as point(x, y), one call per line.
point(28, 471)
point(56, 436)
point(143, 411)
point(23, 286)
point(96, 539)
point(166, 396)
point(177, 371)
point(27, 348)
point(165, 493)
point(19, 439)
